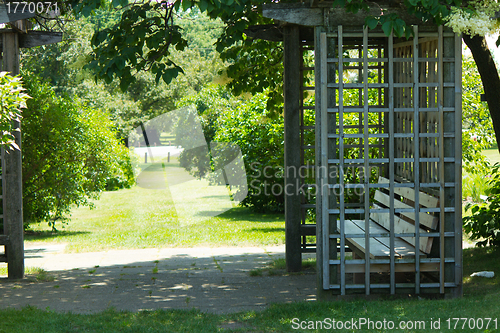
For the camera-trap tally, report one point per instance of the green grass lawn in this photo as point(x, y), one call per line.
point(493, 155)
point(141, 218)
point(480, 300)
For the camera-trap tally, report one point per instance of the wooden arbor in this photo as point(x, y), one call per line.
point(387, 152)
point(11, 201)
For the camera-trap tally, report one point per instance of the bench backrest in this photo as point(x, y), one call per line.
point(405, 223)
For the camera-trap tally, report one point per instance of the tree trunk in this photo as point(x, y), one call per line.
point(489, 77)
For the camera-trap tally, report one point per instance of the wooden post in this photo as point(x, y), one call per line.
point(292, 95)
point(12, 173)
point(449, 149)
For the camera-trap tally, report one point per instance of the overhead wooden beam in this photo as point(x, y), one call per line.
point(325, 14)
point(270, 32)
point(299, 13)
point(274, 32)
point(7, 16)
point(35, 38)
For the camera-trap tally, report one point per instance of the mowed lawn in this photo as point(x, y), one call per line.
point(492, 155)
point(142, 218)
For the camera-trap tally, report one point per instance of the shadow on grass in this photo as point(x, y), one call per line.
point(31, 235)
point(265, 230)
point(481, 259)
point(245, 214)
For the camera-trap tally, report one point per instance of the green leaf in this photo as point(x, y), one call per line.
point(399, 27)
point(116, 3)
point(371, 22)
point(408, 32)
point(203, 5)
point(387, 27)
point(186, 4)
point(124, 84)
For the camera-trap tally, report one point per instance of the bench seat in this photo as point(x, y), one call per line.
point(404, 223)
point(379, 246)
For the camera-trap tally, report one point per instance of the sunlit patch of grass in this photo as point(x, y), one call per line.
point(39, 274)
point(492, 155)
point(142, 218)
point(33, 273)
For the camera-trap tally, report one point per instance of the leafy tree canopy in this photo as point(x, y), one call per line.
point(148, 32)
point(61, 66)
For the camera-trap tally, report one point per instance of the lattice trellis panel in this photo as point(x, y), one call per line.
point(388, 123)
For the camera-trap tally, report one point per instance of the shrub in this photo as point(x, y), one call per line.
point(70, 153)
point(484, 223)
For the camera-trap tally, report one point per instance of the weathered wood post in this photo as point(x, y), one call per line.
point(12, 173)
point(292, 94)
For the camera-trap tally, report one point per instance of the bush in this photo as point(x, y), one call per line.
point(261, 141)
point(484, 223)
point(70, 154)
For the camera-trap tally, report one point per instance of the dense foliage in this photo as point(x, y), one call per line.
point(12, 100)
point(70, 154)
point(478, 131)
point(260, 139)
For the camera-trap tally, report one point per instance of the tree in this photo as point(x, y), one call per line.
point(70, 154)
point(61, 65)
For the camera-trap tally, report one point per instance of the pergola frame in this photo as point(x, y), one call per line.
point(429, 166)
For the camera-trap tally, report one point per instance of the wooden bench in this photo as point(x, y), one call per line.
point(404, 222)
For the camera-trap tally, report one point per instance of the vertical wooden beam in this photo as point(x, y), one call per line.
point(12, 173)
point(322, 98)
point(441, 160)
point(329, 126)
point(458, 168)
point(366, 153)
point(452, 99)
point(390, 102)
point(340, 42)
point(416, 152)
point(292, 92)
point(321, 234)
